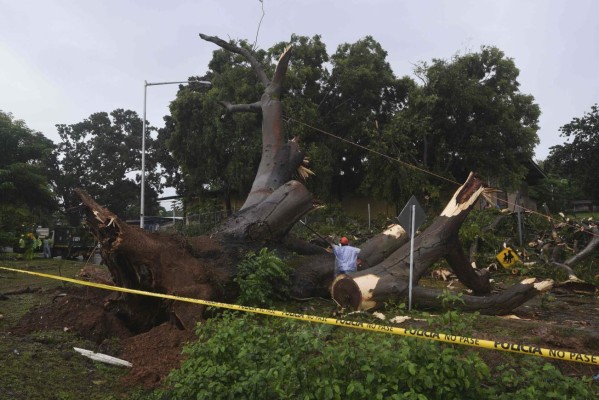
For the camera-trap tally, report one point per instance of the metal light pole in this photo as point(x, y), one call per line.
point(143, 143)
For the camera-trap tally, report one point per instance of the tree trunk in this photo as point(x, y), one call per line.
point(381, 246)
point(502, 303)
point(275, 202)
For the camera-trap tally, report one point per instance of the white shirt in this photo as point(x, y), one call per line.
point(346, 259)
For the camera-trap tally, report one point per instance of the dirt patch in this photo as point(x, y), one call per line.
point(154, 354)
point(84, 312)
point(77, 309)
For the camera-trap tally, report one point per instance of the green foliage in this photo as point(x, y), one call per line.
point(244, 356)
point(25, 194)
point(450, 300)
point(262, 277)
point(470, 107)
point(98, 154)
point(247, 356)
point(452, 320)
point(529, 378)
point(362, 96)
point(476, 227)
point(577, 160)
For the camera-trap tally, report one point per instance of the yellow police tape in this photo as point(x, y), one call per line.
point(417, 333)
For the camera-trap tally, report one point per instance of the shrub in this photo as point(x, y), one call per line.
point(247, 356)
point(261, 278)
point(244, 356)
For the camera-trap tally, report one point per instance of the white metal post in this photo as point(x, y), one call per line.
point(412, 229)
point(143, 144)
point(143, 161)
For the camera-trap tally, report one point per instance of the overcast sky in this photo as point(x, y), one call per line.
point(61, 61)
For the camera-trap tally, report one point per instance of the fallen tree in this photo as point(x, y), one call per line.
point(205, 267)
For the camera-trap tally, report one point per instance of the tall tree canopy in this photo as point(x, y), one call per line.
point(216, 152)
point(361, 97)
point(102, 155)
point(25, 194)
point(468, 114)
point(577, 160)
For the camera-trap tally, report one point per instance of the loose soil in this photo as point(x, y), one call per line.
point(563, 321)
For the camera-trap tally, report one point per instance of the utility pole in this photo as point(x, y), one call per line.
point(143, 143)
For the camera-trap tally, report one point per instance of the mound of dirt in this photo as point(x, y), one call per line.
point(154, 354)
point(77, 309)
point(83, 311)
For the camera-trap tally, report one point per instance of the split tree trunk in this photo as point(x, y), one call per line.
point(372, 287)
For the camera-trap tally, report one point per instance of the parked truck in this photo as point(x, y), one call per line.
point(69, 242)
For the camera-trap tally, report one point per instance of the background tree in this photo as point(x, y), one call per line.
point(555, 191)
point(25, 194)
point(464, 110)
point(362, 96)
point(216, 152)
point(577, 160)
point(102, 154)
point(469, 115)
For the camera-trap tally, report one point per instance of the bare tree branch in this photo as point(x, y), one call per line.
point(281, 67)
point(259, 24)
point(587, 251)
point(238, 50)
point(235, 108)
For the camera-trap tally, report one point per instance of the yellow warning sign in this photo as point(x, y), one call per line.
point(507, 257)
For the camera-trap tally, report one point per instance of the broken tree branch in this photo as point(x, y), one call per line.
point(235, 108)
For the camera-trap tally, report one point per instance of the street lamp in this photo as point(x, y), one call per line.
point(143, 142)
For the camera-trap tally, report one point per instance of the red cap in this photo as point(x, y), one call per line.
point(344, 241)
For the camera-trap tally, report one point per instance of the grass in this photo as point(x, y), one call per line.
point(12, 310)
point(43, 365)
